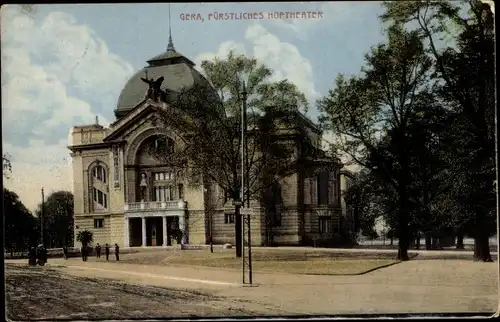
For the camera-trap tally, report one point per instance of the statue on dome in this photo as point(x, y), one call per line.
point(154, 91)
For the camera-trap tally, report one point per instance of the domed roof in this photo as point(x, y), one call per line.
point(177, 70)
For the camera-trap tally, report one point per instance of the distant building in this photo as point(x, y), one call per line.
point(125, 196)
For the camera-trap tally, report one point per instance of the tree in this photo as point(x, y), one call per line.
point(84, 237)
point(464, 77)
point(371, 116)
point(21, 228)
point(207, 119)
point(6, 166)
point(58, 219)
point(362, 199)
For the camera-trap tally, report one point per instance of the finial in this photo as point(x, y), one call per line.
point(96, 120)
point(170, 46)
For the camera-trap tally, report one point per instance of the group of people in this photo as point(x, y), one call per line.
point(37, 255)
point(87, 250)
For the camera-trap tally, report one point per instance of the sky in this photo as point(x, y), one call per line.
point(63, 65)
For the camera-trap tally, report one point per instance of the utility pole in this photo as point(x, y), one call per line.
point(42, 214)
point(245, 187)
point(210, 228)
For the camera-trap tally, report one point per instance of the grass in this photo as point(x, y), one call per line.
point(311, 267)
point(292, 262)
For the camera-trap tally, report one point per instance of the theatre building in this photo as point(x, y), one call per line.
point(123, 195)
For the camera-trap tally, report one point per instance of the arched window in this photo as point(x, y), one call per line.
point(99, 173)
point(98, 194)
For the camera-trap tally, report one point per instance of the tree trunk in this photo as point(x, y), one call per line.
point(418, 241)
point(482, 248)
point(428, 242)
point(460, 241)
point(404, 238)
point(238, 232)
point(392, 241)
point(434, 242)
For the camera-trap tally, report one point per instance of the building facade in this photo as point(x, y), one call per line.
point(124, 195)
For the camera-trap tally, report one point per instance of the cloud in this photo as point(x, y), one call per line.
point(38, 166)
point(283, 58)
point(56, 73)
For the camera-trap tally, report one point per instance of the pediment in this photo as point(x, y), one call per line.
point(130, 122)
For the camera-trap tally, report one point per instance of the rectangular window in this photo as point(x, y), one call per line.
point(229, 218)
point(322, 184)
point(157, 176)
point(168, 192)
point(94, 194)
point(98, 223)
point(99, 197)
point(325, 225)
point(105, 199)
point(181, 191)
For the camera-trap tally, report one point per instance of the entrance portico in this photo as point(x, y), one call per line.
point(152, 223)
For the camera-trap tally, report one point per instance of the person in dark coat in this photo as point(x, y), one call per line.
point(98, 250)
point(41, 254)
point(106, 251)
point(65, 252)
point(84, 253)
point(32, 256)
point(117, 252)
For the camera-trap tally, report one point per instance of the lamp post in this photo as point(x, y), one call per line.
point(42, 214)
point(245, 186)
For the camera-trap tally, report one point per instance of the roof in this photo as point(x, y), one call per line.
point(177, 70)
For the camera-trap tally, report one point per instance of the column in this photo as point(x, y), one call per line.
point(126, 233)
point(143, 231)
point(165, 237)
point(182, 227)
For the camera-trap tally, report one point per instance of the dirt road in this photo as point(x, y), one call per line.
point(47, 293)
point(414, 286)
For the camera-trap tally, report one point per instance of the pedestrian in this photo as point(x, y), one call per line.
point(98, 250)
point(106, 250)
point(117, 252)
point(41, 254)
point(65, 252)
point(32, 256)
point(84, 253)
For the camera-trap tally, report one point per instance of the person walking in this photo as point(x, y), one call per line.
point(117, 252)
point(106, 251)
point(98, 250)
point(65, 252)
point(32, 256)
point(84, 253)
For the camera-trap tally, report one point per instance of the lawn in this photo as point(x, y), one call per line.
point(293, 262)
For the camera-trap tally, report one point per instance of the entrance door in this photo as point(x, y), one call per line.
point(153, 235)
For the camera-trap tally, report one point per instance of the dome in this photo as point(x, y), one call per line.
point(177, 70)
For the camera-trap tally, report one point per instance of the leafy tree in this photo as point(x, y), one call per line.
point(371, 116)
point(58, 219)
point(6, 166)
point(464, 77)
point(362, 199)
point(84, 237)
point(208, 121)
point(21, 228)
